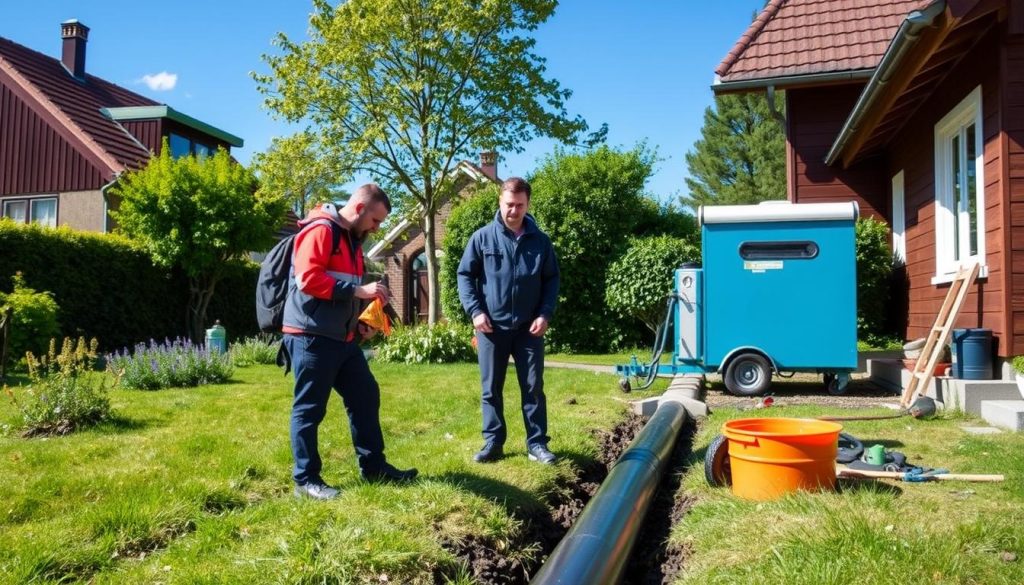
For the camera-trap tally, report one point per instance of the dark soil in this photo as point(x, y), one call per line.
point(490, 563)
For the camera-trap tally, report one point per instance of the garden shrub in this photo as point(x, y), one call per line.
point(874, 268)
point(64, 393)
point(639, 281)
point(33, 322)
point(443, 343)
point(169, 364)
point(108, 288)
point(260, 349)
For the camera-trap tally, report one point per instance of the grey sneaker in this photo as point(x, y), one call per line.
point(489, 453)
point(316, 491)
point(540, 453)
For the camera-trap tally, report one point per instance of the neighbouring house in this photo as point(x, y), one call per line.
point(402, 249)
point(66, 135)
point(915, 110)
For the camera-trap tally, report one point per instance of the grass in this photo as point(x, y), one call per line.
point(193, 485)
point(868, 532)
point(643, 355)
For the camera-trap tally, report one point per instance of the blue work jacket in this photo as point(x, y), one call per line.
point(513, 280)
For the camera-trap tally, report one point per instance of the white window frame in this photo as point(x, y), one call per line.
point(30, 202)
point(899, 221)
point(967, 112)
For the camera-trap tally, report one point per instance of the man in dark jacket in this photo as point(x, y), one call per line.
point(321, 322)
point(508, 285)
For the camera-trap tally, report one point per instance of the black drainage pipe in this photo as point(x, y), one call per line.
point(597, 547)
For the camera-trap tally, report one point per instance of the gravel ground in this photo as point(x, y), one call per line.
point(806, 389)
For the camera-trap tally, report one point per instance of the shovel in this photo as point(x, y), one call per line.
point(937, 474)
point(923, 407)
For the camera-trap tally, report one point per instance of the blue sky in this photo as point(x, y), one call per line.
point(643, 67)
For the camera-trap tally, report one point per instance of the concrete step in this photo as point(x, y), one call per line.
point(1008, 414)
point(965, 395)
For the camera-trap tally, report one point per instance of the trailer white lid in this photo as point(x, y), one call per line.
point(777, 211)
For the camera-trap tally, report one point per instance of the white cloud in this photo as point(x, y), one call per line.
point(162, 81)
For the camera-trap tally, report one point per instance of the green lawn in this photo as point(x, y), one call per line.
point(193, 485)
point(643, 355)
point(884, 532)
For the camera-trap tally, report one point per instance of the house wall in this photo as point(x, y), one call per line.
point(81, 210)
point(913, 151)
point(145, 131)
point(1012, 79)
point(814, 117)
point(35, 159)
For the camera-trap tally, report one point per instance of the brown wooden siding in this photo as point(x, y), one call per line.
point(1013, 144)
point(913, 151)
point(814, 118)
point(145, 131)
point(35, 158)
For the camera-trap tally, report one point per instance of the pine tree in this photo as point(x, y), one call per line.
point(740, 157)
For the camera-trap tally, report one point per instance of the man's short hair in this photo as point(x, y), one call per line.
point(372, 192)
point(516, 185)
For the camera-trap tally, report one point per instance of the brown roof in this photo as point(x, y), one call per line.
point(77, 103)
point(808, 37)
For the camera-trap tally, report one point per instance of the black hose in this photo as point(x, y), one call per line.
point(660, 337)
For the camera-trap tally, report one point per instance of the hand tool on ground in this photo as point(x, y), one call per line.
point(912, 476)
point(923, 407)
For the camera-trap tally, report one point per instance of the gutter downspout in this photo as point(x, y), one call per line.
point(598, 545)
point(106, 202)
point(905, 39)
point(773, 108)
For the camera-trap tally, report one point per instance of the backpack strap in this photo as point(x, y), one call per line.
point(336, 232)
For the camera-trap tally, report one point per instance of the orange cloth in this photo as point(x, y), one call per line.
point(375, 317)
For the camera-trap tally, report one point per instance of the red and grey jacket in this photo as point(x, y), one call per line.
point(321, 296)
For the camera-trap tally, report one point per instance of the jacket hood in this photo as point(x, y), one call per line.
point(322, 211)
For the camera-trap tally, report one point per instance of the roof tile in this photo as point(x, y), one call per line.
point(804, 37)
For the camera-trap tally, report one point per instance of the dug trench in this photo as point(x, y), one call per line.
point(654, 561)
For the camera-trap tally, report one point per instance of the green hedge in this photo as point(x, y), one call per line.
point(109, 289)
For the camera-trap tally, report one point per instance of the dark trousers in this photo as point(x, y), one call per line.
point(493, 351)
point(320, 364)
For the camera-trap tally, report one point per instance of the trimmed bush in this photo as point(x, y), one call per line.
point(170, 364)
point(443, 343)
point(33, 322)
point(64, 393)
point(874, 268)
point(639, 281)
point(108, 288)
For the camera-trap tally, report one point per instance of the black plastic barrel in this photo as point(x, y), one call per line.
point(972, 354)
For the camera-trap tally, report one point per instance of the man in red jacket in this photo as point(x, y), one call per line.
point(321, 322)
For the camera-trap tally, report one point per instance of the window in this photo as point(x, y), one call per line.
point(959, 189)
point(182, 146)
point(899, 221)
point(41, 210)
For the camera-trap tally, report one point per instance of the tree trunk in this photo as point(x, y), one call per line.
point(199, 297)
point(434, 310)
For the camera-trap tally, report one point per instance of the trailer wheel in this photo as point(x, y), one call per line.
point(717, 468)
point(625, 386)
point(835, 384)
point(748, 374)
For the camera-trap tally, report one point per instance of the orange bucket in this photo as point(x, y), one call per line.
point(770, 457)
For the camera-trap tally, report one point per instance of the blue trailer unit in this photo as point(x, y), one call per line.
point(776, 293)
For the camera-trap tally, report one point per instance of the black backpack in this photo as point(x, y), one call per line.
point(275, 278)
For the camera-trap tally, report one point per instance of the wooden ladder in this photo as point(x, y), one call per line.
point(937, 337)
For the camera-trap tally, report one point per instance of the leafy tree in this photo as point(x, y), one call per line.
point(588, 202)
point(406, 88)
point(639, 281)
point(197, 213)
point(33, 320)
point(467, 216)
point(740, 157)
point(302, 171)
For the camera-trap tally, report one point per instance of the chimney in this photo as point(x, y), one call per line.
point(75, 35)
point(489, 164)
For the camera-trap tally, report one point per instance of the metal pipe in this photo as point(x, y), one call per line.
point(597, 547)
